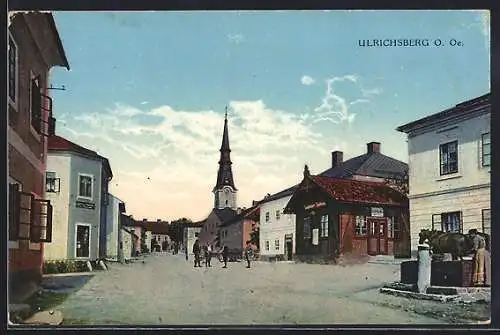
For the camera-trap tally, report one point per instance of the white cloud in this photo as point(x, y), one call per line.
point(334, 108)
point(235, 38)
point(371, 92)
point(307, 80)
point(179, 153)
point(144, 102)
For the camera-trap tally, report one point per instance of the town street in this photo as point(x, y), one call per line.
point(166, 289)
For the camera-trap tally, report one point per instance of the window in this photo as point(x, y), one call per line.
point(267, 216)
point(448, 158)
point(360, 229)
point(14, 204)
point(36, 104)
point(324, 226)
point(51, 182)
point(307, 227)
point(85, 186)
point(13, 71)
point(196, 234)
point(276, 244)
point(267, 245)
point(447, 222)
point(486, 218)
point(278, 214)
point(486, 149)
point(393, 227)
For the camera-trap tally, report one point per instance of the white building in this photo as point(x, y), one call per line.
point(77, 185)
point(277, 230)
point(113, 226)
point(191, 234)
point(449, 169)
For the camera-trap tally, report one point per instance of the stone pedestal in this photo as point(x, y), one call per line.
point(424, 268)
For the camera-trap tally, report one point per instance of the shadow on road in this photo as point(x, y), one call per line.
point(69, 283)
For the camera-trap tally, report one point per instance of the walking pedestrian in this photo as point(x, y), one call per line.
point(208, 256)
point(225, 255)
point(196, 252)
point(479, 245)
point(248, 254)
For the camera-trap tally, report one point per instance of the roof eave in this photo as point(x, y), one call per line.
point(60, 46)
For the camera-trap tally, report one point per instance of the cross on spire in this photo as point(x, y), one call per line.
point(225, 115)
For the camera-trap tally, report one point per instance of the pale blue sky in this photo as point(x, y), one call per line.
point(142, 87)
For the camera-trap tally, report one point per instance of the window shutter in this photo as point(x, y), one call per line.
point(25, 215)
point(14, 209)
point(437, 221)
point(35, 227)
point(36, 106)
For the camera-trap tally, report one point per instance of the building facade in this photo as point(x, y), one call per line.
point(113, 227)
point(76, 184)
point(276, 229)
point(235, 233)
point(450, 165)
point(344, 216)
point(190, 235)
point(34, 47)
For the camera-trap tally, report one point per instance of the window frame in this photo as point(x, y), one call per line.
point(363, 232)
point(278, 214)
point(276, 245)
point(55, 182)
point(483, 216)
point(267, 246)
point(267, 217)
point(79, 196)
point(483, 155)
point(36, 133)
point(309, 220)
point(393, 227)
point(13, 104)
point(441, 221)
point(324, 226)
point(441, 164)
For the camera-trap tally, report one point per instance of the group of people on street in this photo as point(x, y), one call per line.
point(208, 253)
point(481, 259)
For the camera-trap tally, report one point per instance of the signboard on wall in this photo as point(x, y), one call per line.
point(315, 205)
point(86, 205)
point(377, 212)
point(315, 237)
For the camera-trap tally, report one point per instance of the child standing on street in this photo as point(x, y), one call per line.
point(248, 254)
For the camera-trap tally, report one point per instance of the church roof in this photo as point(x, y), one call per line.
point(225, 214)
point(225, 173)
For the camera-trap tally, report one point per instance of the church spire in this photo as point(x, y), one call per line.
point(225, 173)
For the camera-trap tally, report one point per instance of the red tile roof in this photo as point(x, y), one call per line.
point(357, 191)
point(58, 143)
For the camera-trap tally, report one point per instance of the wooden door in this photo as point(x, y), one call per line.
point(377, 236)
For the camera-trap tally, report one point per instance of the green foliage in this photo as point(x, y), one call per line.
point(64, 266)
point(176, 229)
point(254, 236)
point(144, 246)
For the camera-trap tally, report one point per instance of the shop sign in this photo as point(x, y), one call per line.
point(315, 205)
point(377, 212)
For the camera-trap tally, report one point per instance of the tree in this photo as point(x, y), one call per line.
point(176, 229)
point(400, 183)
point(255, 236)
point(144, 246)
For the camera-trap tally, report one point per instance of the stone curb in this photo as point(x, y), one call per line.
point(68, 274)
point(416, 295)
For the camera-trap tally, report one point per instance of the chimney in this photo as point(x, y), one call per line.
point(337, 158)
point(158, 220)
point(144, 220)
point(373, 147)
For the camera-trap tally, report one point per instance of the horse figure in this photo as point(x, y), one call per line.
point(457, 244)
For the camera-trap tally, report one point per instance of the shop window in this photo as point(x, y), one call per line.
point(361, 226)
point(324, 226)
point(393, 227)
point(307, 227)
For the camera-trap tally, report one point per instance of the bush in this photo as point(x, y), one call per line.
point(64, 266)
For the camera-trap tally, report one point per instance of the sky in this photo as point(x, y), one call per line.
point(148, 91)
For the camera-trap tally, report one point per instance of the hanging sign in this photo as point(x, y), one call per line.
point(377, 212)
point(315, 237)
point(315, 205)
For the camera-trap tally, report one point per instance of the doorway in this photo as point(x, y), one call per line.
point(289, 247)
point(83, 241)
point(377, 236)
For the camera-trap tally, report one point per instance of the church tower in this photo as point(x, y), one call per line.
point(224, 190)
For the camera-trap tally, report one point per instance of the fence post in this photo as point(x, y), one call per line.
point(424, 267)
